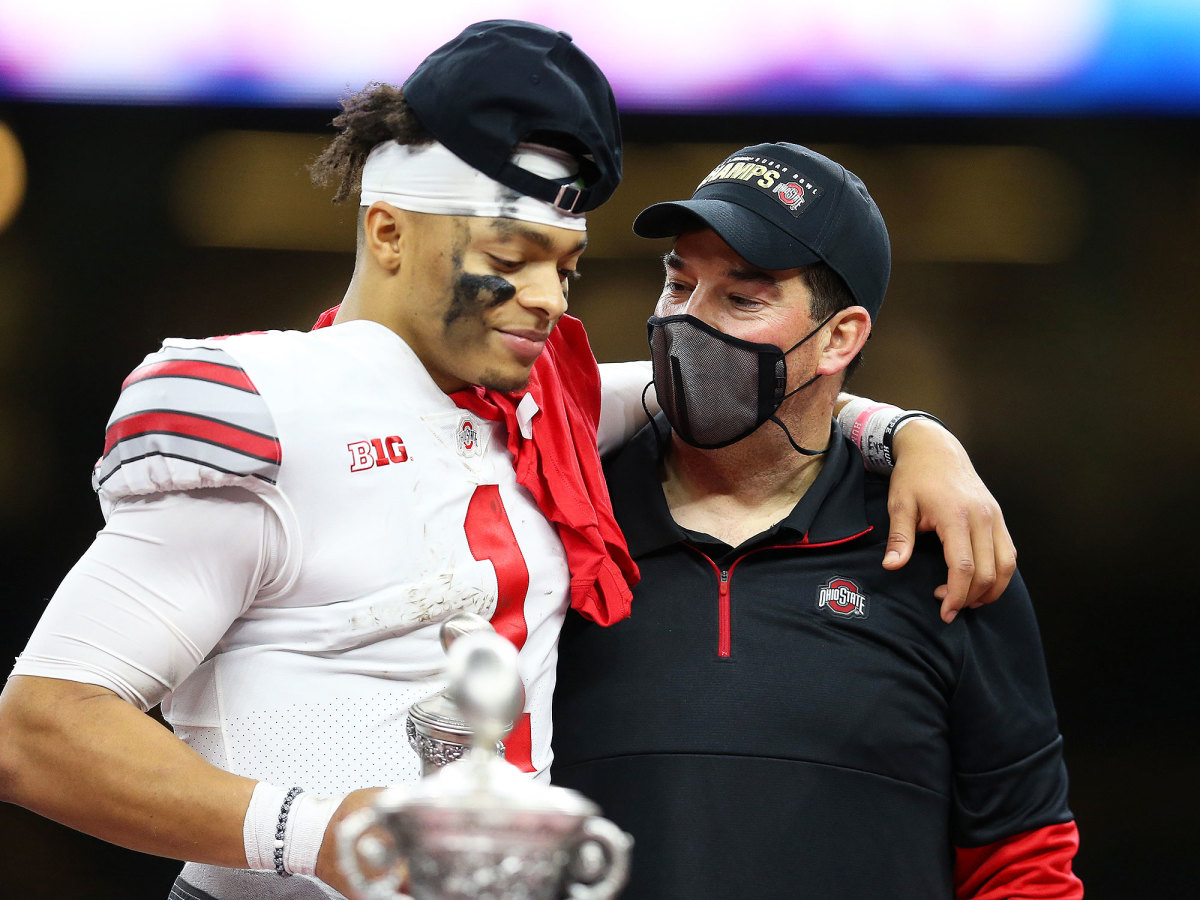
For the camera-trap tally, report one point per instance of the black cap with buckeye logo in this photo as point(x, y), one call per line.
point(504, 82)
point(780, 206)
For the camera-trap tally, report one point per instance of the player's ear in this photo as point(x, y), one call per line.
point(382, 234)
point(848, 333)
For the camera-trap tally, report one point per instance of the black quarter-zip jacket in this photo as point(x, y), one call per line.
point(789, 719)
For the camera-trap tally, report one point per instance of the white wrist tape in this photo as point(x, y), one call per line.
point(258, 829)
point(873, 426)
point(865, 423)
point(305, 828)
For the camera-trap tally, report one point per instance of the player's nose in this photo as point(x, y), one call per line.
point(545, 292)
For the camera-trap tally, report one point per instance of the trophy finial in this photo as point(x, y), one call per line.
point(461, 623)
point(485, 684)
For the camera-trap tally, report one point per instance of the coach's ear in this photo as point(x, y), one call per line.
point(382, 235)
point(847, 332)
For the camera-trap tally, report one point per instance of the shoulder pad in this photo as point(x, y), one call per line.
point(188, 417)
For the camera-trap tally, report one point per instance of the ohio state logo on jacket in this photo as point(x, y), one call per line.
point(841, 596)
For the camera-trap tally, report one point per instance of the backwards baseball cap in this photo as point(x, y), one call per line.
point(502, 83)
point(780, 206)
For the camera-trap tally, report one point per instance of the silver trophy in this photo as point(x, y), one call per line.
point(477, 828)
point(437, 729)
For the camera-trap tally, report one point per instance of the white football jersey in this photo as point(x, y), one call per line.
point(398, 508)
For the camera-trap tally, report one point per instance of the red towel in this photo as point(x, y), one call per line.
point(560, 466)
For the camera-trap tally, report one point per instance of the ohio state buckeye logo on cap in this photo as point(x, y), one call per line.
point(790, 194)
point(842, 597)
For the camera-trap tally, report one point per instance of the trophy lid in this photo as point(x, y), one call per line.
point(439, 716)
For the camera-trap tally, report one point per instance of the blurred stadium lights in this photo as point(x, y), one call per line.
point(943, 203)
point(12, 176)
point(980, 204)
point(251, 189)
point(852, 57)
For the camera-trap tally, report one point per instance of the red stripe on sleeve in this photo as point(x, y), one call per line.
point(221, 433)
point(190, 368)
point(1035, 865)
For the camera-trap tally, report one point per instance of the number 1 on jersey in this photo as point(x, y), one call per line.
point(490, 536)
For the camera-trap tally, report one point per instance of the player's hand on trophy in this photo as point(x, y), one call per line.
point(935, 488)
point(329, 868)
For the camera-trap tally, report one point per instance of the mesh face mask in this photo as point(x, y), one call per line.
point(716, 389)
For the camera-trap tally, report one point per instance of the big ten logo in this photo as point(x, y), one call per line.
point(376, 452)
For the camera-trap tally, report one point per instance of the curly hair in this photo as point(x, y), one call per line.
point(375, 114)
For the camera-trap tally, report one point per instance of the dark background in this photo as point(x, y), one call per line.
point(1043, 303)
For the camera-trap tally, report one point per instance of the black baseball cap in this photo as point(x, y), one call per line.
point(780, 206)
point(503, 82)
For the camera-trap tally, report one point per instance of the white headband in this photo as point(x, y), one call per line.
point(431, 179)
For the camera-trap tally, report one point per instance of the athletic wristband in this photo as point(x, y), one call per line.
point(864, 422)
point(873, 427)
point(283, 829)
point(856, 416)
point(306, 831)
point(258, 828)
point(893, 428)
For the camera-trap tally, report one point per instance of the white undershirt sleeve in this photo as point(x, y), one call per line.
point(621, 414)
point(156, 590)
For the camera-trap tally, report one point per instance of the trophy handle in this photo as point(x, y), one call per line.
point(378, 849)
point(600, 861)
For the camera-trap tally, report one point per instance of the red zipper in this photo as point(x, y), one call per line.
point(724, 629)
point(724, 576)
point(723, 626)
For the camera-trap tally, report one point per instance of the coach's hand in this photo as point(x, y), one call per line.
point(935, 488)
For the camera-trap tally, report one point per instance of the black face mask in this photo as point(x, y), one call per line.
point(716, 389)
